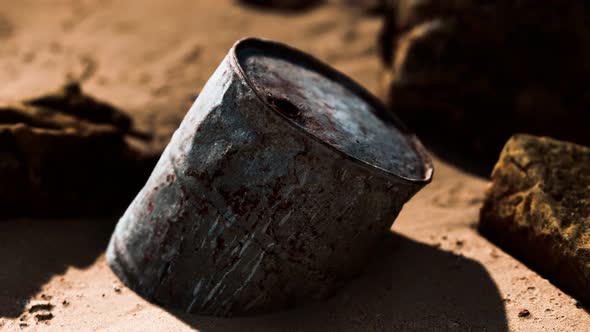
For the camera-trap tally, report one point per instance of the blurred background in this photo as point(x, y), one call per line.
point(93, 90)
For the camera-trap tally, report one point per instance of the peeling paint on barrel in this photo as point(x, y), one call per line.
point(253, 208)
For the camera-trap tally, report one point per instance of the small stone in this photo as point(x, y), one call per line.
point(116, 288)
point(494, 254)
point(40, 307)
point(282, 5)
point(43, 317)
point(524, 313)
point(537, 208)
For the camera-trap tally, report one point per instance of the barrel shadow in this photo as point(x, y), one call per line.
point(409, 286)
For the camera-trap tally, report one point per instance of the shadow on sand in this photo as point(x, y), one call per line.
point(409, 286)
point(34, 251)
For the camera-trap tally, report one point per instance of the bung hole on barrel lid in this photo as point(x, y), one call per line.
point(284, 106)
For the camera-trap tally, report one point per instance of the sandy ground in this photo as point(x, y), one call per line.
point(433, 272)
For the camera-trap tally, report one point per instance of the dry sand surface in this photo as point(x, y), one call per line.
point(433, 271)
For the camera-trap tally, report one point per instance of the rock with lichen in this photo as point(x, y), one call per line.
point(538, 209)
point(472, 73)
point(66, 153)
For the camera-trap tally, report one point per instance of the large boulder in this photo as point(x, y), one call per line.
point(472, 73)
point(538, 209)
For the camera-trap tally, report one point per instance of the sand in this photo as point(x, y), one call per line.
point(432, 272)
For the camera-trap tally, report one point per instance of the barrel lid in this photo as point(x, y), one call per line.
point(332, 108)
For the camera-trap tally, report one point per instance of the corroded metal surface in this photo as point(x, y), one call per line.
point(268, 194)
point(331, 111)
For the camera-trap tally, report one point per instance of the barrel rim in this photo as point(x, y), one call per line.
point(334, 74)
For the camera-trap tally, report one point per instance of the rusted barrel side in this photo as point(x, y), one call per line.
point(246, 212)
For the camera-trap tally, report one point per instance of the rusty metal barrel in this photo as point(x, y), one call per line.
point(275, 189)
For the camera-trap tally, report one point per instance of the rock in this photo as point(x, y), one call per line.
point(65, 153)
point(44, 317)
point(367, 6)
point(524, 313)
point(42, 306)
point(288, 5)
point(472, 73)
point(537, 208)
point(42, 310)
